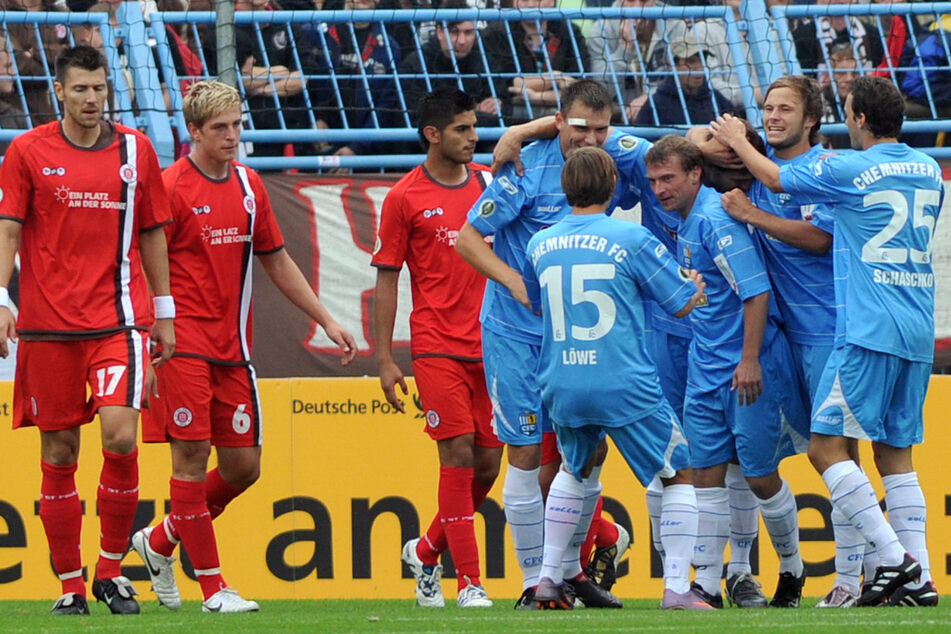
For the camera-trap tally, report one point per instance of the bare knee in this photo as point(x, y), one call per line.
point(765, 487)
point(487, 461)
point(60, 448)
point(239, 466)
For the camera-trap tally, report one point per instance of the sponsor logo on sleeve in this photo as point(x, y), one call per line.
point(724, 242)
point(507, 185)
point(660, 250)
point(627, 143)
point(487, 208)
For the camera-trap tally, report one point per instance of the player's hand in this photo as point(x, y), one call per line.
point(8, 330)
point(713, 151)
point(728, 130)
point(517, 288)
point(390, 377)
point(508, 149)
point(736, 203)
point(151, 387)
point(162, 343)
point(697, 278)
point(747, 381)
point(344, 341)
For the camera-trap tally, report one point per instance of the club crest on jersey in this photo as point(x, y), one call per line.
point(128, 173)
point(806, 211)
point(432, 418)
point(182, 417)
point(687, 261)
point(487, 208)
point(249, 204)
point(528, 423)
point(627, 143)
point(507, 185)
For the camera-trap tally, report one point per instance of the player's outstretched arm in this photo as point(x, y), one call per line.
point(508, 149)
point(801, 234)
point(473, 248)
point(731, 131)
point(288, 278)
point(697, 280)
point(384, 316)
point(748, 376)
point(9, 244)
point(154, 252)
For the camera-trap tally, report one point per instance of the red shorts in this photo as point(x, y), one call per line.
point(200, 400)
point(455, 399)
point(62, 384)
point(550, 451)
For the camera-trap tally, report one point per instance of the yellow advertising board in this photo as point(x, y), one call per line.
point(346, 480)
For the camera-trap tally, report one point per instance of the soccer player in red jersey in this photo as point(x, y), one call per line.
point(419, 223)
point(83, 201)
point(207, 393)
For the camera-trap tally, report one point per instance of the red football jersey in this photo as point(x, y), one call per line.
point(419, 225)
point(218, 226)
point(82, 210)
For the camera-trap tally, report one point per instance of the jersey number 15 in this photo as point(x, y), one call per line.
point(551, 279)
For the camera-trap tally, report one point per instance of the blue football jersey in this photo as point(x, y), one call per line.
point(591, 275)
point(802, 281)
point(513, 208)
point(885, 201)
point(722, 250)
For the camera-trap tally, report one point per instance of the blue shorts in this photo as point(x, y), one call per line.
point(810, 363)
point(872, 395)
point(758, 435)
point(518, 415)
point(652, 446)
point(669, 354)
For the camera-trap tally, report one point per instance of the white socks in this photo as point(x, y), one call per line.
point(849, 551)
point(907, 514)
point(678, 532)
point(850, 490)
point(571, 559)
point(744, 520)
point(781, 518)
point(525, 514)
point(563, 511)
point(713, 530)
point(655, 493)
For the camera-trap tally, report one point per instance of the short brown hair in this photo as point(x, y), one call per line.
point(673, 146)
point(589, 177)
point(811, 94)
point(207, 99)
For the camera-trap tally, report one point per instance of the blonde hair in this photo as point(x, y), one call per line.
point(207, 99)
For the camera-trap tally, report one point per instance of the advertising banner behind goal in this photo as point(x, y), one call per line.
point(346, 480)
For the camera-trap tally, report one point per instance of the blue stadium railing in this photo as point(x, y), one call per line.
point(154, 77)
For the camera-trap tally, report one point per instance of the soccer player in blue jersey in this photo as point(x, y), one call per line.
point(795, 237)
point(739, 371)
point(885, 200)
point(589, 274)
point(512, 209)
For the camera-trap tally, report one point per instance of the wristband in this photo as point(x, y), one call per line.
point(4, 297)
point(164, 306)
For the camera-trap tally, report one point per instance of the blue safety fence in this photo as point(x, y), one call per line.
point(337, 89)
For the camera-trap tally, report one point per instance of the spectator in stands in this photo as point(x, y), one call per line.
point(360, 52)
point(451, 57)
point(544, 54)
point(710, 35)
point(273, 82)
point(11, 115)
point(53, 37)
point(837, 82)
point(701, 102)
point(813, 37)
point(617, 49)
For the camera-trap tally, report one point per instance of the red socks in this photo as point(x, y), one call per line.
point(456, 514)
point(599, 534)
point(191, 517)
point(62, 517)
point(218, 493)
point(117, 498)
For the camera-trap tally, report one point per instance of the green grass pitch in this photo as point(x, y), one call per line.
point(403, 616)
